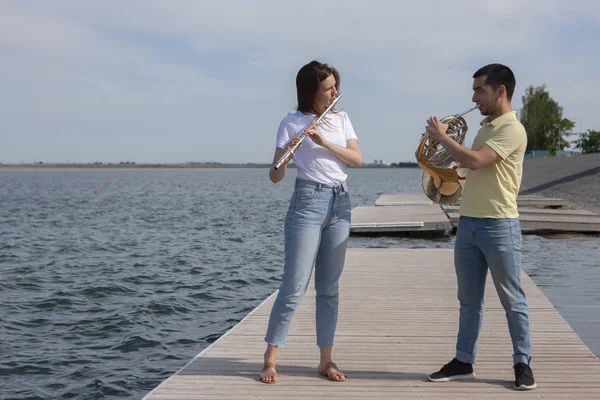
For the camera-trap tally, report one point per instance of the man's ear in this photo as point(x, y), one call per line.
point(501, 91)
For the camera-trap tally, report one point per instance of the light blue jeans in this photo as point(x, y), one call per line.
point(317, 227)
point(483, 243)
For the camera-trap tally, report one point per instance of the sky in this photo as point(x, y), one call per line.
point(156, 81)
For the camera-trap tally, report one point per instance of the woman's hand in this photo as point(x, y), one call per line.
point(316, 135)
point(289, 145)
point(277, 175)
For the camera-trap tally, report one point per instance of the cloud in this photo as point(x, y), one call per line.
point(158, 81)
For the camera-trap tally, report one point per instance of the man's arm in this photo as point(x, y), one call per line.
point(467, 158)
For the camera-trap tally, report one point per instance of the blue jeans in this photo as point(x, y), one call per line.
point(483, 243)
point(317, 227)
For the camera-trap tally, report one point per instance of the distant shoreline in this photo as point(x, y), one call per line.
point(198, 165)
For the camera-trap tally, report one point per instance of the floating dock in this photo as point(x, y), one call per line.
point(403, 200)
point(545, 220)
point(397, 323)
point(414, 218)
point(419, 199)
point(536, 211)
point(412, 213)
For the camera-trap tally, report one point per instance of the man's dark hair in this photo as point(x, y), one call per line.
point(498, 74)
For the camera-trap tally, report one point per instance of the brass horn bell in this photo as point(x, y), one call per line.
point(441, 179)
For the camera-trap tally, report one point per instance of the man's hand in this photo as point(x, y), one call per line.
point(435, 128)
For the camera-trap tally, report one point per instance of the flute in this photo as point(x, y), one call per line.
point(303, 135)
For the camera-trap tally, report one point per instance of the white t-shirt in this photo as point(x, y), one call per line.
point(314, 162)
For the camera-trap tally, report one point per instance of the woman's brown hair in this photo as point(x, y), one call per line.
point(308, 80)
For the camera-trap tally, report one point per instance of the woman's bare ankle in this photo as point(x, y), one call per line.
point(270, 355)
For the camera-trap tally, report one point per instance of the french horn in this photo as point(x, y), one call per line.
point(441, 179)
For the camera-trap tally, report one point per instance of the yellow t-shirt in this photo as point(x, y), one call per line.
point(491, 192)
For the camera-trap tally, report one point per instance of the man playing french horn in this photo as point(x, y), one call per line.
point(489, 232)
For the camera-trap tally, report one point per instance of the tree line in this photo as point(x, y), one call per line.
point(546, 127)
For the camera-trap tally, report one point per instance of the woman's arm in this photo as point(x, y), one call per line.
point(277, 175)
point(350, 154)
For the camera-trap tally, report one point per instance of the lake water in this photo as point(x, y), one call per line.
point(112, 279)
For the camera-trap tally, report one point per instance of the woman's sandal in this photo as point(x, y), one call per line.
point(331, 377)
point(273, 374)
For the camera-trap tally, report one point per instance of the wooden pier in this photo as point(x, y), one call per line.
point(414, 218)
point(397, 324)
point(537, 211)
point(403, 200)
point(412, 213)
point(543, 202)
point(420, 199)
point(546, 220)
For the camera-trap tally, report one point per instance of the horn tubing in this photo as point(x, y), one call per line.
point(466, 112)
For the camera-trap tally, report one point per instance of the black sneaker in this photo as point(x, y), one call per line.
point(524, 377)
point(453, 371)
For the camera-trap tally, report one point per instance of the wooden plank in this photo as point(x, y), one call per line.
point(453, 217)
point(561, 223)
point(397, 323)
point(403, 200)
point(550, 223)
point(399, 219)
point(533, 218)
point(535, 211)
point(541, 202)
point(522, 201)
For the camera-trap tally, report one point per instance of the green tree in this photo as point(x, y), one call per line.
point(543, 120)
point(589, 142)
